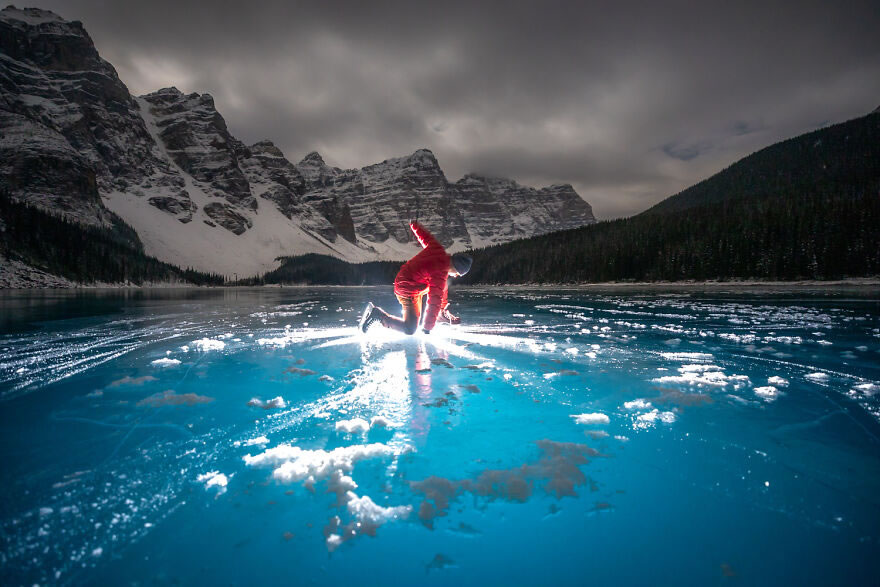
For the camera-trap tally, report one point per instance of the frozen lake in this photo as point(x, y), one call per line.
point(254, 436)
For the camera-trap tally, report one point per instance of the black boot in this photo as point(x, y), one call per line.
point(371, 314)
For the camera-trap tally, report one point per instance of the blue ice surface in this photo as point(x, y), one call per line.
point(133, 453)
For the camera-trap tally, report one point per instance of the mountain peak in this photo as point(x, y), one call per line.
point(313, 158)
point(266, 147)
point(169, 91)
point(424, 155)
point(31, 16)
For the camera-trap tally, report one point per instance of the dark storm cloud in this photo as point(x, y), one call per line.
point(628, 102)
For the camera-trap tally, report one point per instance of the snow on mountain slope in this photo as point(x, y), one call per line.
point(201, 243)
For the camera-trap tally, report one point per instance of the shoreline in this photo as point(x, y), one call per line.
point(859, 283)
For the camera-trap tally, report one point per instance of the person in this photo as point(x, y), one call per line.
point(426, 273)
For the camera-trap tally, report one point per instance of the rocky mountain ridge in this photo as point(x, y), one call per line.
point(75, 142)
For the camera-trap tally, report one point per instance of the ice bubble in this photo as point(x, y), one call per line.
point(588, 419)
point(862, 348)
point(170, 398)
point(778, 381)
point(97, 552)
point(355, 426)
point(209, 344)
point(165, 362)
point(573, 351)
point(637, 404)
point(529, 322)
point(133, 380)
point(817, 376)
point(46, 511)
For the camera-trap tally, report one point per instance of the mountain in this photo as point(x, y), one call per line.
point(804, 208)
point(76, 144)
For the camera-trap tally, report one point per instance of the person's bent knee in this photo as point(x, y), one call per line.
point(410, 328)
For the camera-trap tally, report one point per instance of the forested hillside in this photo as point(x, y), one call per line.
point(774, 237)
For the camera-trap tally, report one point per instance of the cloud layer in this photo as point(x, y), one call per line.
point(629, 103)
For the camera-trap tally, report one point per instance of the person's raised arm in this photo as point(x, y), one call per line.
point(425, 238)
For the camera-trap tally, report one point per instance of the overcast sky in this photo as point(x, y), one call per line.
point(628, 102)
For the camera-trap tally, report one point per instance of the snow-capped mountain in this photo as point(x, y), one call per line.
point(74, 141)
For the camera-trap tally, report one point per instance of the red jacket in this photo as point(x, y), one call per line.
point(427, 271)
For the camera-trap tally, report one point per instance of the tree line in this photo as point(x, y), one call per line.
point(84, 254)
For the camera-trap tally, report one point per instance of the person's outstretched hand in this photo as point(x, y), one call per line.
point(447, 317)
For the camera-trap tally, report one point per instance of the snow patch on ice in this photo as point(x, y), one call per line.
point(214, 479)
point(274, 403)
point(209, 344)
point(649, 419)
point(380, 422)
point(701, 375)
point(686, 356)
point(767, 392)
point(367, 512)
point(354, 426)
point(868, 389)
point(589, 419)
point(293, 463)
point(165, 362)
point(258, 441)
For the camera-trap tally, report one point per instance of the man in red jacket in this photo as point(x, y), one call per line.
point(427, 272)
